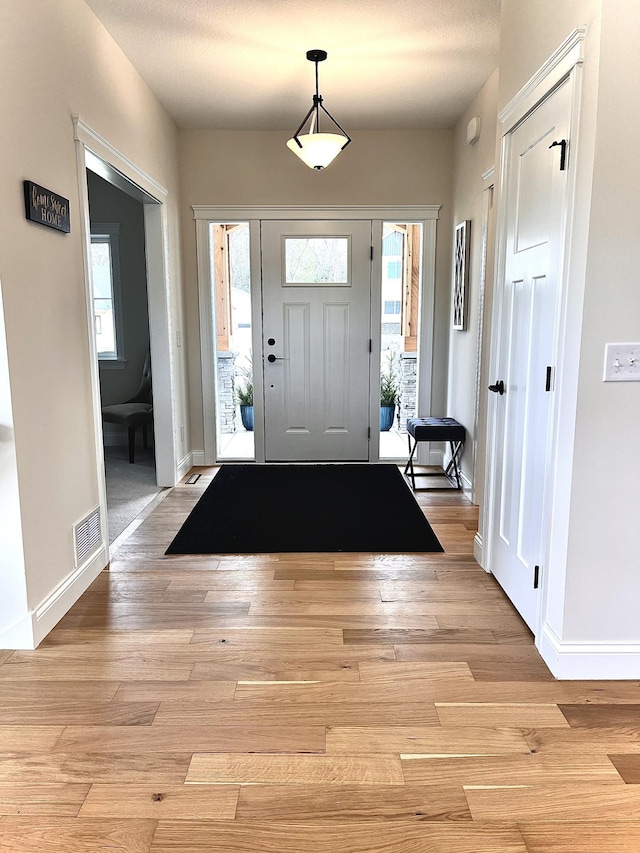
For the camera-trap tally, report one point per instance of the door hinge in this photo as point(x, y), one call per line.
point(369, 433)
point(563, 152)
point(370, 347)
point(536, 577)
point(548, 385)
point(372, 253)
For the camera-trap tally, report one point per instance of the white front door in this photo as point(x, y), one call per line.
point(535, 196)
point(316, 280)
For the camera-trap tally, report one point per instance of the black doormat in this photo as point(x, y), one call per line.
point(263, 509)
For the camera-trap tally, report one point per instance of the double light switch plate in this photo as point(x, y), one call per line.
point(622, 363)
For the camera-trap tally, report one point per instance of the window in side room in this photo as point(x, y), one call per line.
point(105, 271)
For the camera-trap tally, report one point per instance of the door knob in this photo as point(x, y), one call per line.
point(498, 388)
point(273, 358)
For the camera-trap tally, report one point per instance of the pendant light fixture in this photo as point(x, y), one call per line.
point(317, 148)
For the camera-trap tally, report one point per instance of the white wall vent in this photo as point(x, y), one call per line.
point(87, 536)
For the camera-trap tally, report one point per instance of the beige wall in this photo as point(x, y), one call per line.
point(603, 580)
point(256, 168)
point(57, 60)
point(529, 34)
point(470, 163)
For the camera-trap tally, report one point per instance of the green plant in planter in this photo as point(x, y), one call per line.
point(389, 384)
point(389, 392)
point(244, 395)
point(244, 392)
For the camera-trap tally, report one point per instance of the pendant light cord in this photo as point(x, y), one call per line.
point(317, 100)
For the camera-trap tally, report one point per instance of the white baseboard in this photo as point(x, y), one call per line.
point(34, 626)
point(120, 438)
point(197, 458)
point(428, 457)
point(478, 550)
point(19, 635)
point(115, 439)
point(467, 485)
point(184, 466)
point(590, 661)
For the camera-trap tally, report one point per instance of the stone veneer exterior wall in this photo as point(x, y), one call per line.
point(408, 387)
point(226, 392)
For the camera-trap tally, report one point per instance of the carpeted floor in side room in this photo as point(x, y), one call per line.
point(130, 488)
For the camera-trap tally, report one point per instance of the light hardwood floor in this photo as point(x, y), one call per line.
point(308, 703)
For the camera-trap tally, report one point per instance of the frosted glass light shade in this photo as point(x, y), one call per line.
point(318, 149)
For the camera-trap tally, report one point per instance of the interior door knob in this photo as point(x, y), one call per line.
point(498, 388)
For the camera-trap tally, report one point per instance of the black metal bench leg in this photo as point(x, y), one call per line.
point(409, 466)
point(453, 462)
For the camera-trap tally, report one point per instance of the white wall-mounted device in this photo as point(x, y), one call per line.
point(622, 363)
point(473, 130)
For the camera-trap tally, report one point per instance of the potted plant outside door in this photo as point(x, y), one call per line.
point(244, 395)
point(389, 393)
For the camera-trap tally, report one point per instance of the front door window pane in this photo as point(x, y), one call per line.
point(316, 260)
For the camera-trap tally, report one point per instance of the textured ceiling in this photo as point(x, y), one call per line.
point(240, 64)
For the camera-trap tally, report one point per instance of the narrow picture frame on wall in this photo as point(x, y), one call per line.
point(461, 244)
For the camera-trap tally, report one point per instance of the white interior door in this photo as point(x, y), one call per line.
point(535, 192)
point(316, 280)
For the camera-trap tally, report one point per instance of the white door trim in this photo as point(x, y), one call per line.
point(156, 247)
point(480, 478)
point(564, 65)
point(426, 333)
point(558, 66)
point(204, 214)
point(229, 213)
point(207, 336)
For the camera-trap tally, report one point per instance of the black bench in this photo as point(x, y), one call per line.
point(436, 429)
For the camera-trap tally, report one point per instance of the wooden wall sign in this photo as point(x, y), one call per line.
point(46, 208)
